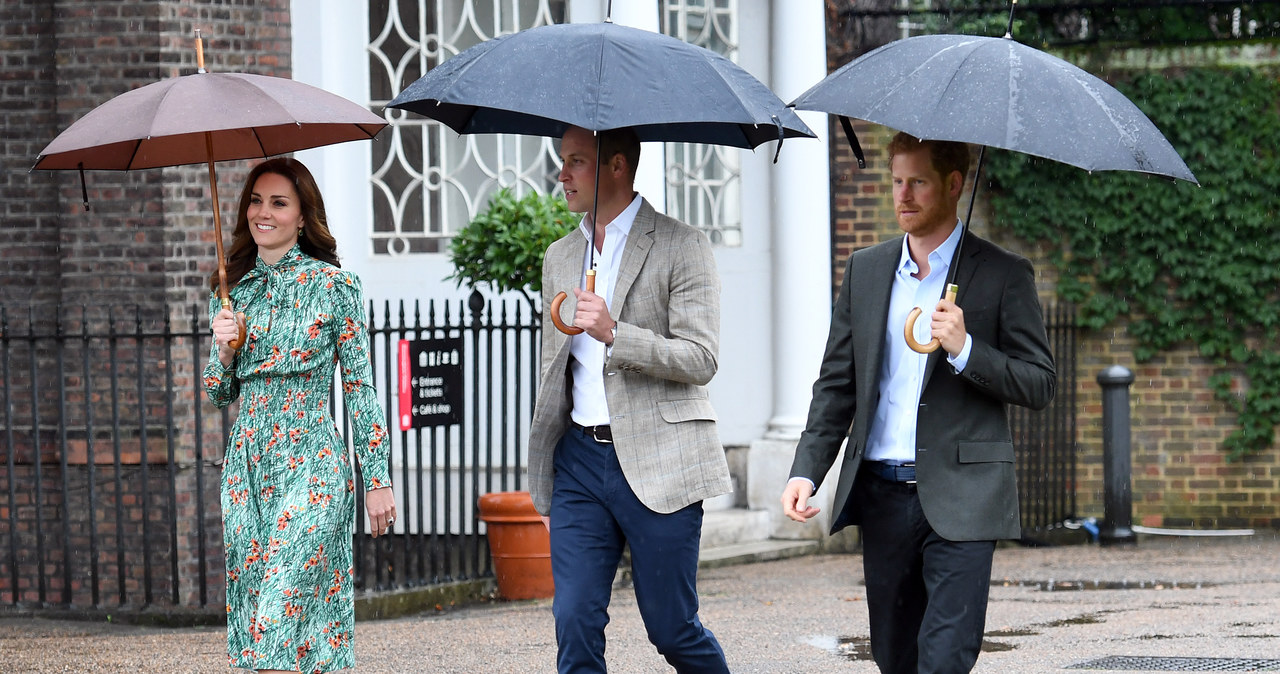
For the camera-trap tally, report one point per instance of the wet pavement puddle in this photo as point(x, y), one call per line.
point(1081, 585)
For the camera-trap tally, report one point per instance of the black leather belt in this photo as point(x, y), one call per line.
point(893, 472)
point(601, 433)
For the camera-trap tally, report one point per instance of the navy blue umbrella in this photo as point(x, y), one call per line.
point(601, 76)
point(996, 92)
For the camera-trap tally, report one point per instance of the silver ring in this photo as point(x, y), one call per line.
point(391, 520)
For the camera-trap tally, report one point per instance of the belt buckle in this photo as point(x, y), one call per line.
point(912, 466)
point(595, 436)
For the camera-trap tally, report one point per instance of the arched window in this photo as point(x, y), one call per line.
point(704, 182)
point(428, 181)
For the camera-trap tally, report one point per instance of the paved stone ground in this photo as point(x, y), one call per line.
point(1051, 609)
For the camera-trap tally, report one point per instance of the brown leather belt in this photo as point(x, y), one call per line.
point(601, 433)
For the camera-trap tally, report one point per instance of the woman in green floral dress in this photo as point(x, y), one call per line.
point(288, 489)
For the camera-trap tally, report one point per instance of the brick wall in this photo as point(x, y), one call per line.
point(1181, 478)
point(28, 202)
point(145, 249)
point(147, 239)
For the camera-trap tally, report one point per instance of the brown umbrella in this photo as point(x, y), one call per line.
point(203, 118)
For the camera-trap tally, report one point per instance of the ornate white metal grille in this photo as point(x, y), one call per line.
point(704, 182)
point(428, 181)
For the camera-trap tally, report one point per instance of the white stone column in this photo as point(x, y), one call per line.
point(801, 219)
point(651, 174)
point(801, 290)
point(329, 41)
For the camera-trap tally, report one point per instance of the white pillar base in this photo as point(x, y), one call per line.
point(768, 466)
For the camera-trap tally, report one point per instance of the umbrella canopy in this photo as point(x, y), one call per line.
point(601, 76)
point(999, 93)
point(167, 123)
point(204, 118)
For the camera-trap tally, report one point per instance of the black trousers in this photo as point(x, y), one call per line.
point(927, 596)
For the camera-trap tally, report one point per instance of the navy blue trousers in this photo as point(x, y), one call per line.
point(926, 596)
point(594, 514)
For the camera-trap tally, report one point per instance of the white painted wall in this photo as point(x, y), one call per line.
point(329, 38)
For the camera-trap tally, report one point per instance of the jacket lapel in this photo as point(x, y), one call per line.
point(868, 334)
point(568, 268)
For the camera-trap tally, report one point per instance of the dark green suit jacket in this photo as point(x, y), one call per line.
point(964, 454)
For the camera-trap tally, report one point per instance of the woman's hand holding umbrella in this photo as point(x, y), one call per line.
point(228, 334)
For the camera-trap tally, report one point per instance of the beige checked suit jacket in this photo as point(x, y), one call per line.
point(667, 304)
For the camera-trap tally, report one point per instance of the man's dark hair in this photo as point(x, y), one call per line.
point(622, 141)
point(945, 155)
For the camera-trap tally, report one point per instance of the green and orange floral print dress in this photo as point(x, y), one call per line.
point(288, 488)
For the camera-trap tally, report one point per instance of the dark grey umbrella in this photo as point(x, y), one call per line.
point(994, 92)
point(601, 76)
point(998, 93)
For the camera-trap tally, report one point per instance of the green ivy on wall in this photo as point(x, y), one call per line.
point(1180, 264)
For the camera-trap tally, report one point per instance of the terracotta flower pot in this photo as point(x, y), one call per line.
point(520, 545)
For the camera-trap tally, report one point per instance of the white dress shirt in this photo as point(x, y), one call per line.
point(893, 429)
point(587, 364)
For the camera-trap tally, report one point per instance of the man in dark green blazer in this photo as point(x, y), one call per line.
point(928, 471)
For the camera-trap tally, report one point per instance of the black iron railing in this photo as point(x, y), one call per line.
point(1045, 441)
point(112, 454)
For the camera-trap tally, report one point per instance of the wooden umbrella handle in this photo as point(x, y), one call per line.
point(559, 299)
point(240, 326)
point(910, 330)
point(223, 294)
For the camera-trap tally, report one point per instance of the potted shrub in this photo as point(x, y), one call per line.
point(504, 244)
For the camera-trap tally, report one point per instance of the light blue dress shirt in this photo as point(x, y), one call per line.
point(893, 429)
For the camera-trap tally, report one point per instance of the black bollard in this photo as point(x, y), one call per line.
point(1117, 463)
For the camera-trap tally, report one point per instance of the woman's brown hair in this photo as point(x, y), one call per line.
point(315, 239)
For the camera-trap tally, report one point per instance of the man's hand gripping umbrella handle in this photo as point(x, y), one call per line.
point(559, 299)
point(910, 330)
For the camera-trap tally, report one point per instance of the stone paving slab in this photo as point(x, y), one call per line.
point(1051, 609)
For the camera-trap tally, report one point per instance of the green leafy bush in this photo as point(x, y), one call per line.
point(1179, 264)
point(504, 244)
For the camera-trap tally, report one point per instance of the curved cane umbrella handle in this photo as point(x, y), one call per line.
point(555, 316)
point(910, 330)
point(239, 340)
point(559, 298)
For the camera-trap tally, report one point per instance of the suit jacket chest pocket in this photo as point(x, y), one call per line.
point(689, 409)
point(985, 452)
point(983, 321)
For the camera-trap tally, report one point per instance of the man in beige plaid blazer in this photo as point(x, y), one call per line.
point(623, 447)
